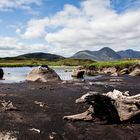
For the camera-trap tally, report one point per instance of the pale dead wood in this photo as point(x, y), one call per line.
point(111, 106)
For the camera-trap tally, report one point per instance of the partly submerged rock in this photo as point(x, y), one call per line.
point(42, 74)
point(78, 73)
point(1, 73)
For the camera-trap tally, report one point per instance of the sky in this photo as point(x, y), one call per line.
point(65, 27)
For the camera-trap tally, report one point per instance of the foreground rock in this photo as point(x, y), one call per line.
point(1, 73)
point(42, 74)
point(111, 107)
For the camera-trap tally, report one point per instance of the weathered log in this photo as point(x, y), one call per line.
point(7, 106)
point(86, 116)
point(111, 107)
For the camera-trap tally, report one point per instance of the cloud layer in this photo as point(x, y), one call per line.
point(6, 5)
point(91, 26)
point(11, 46)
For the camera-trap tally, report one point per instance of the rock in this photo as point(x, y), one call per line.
point(41, 104)
point(91, 72)
point(42, 74)
point(116, 80)
point(78, 73)
point(135, 72)
point(109, 70)
point(115, 74)
point(113, 106)
point(55, 136)
point(124, 71)
point(1, 73)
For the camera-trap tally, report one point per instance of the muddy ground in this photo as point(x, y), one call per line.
point(32, 122)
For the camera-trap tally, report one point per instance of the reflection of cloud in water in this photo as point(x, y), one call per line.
point(12, 75)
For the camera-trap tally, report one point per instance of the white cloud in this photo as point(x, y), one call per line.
point(7, 5)
point(10, 46)
point(36, 28)
point(92, 26)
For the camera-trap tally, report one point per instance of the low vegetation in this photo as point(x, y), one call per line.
point(37, 62)
point(118, 63)
point(66, 62)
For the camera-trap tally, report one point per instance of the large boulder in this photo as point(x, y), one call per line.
point(42, 74)
point(78, 73)
point(1, 73)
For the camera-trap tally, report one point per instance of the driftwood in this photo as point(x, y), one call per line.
point(7, 106)
point(111, 107)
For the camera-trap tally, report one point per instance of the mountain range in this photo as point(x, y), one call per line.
point(104, 54)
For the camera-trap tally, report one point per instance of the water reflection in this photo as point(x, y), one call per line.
point(15, 75)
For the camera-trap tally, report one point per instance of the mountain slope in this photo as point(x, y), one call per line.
point(40, 55)
point(129, 54)
point(105, 54)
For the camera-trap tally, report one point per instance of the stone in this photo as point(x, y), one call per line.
point(78, 73)
point(1, 73)
point(110, 70)
point(43, 74)
point(135, 72)
point(124, 71)
point(91, 72)
point(115, 74)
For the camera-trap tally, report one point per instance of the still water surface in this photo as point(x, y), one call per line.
point(18, 74)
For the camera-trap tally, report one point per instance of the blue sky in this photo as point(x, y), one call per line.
point(66, 26)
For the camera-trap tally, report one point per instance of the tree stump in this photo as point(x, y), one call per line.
point(111, 107)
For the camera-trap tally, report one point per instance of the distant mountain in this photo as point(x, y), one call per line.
point(105, 54)
point(40, 55)
point(129, 54)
